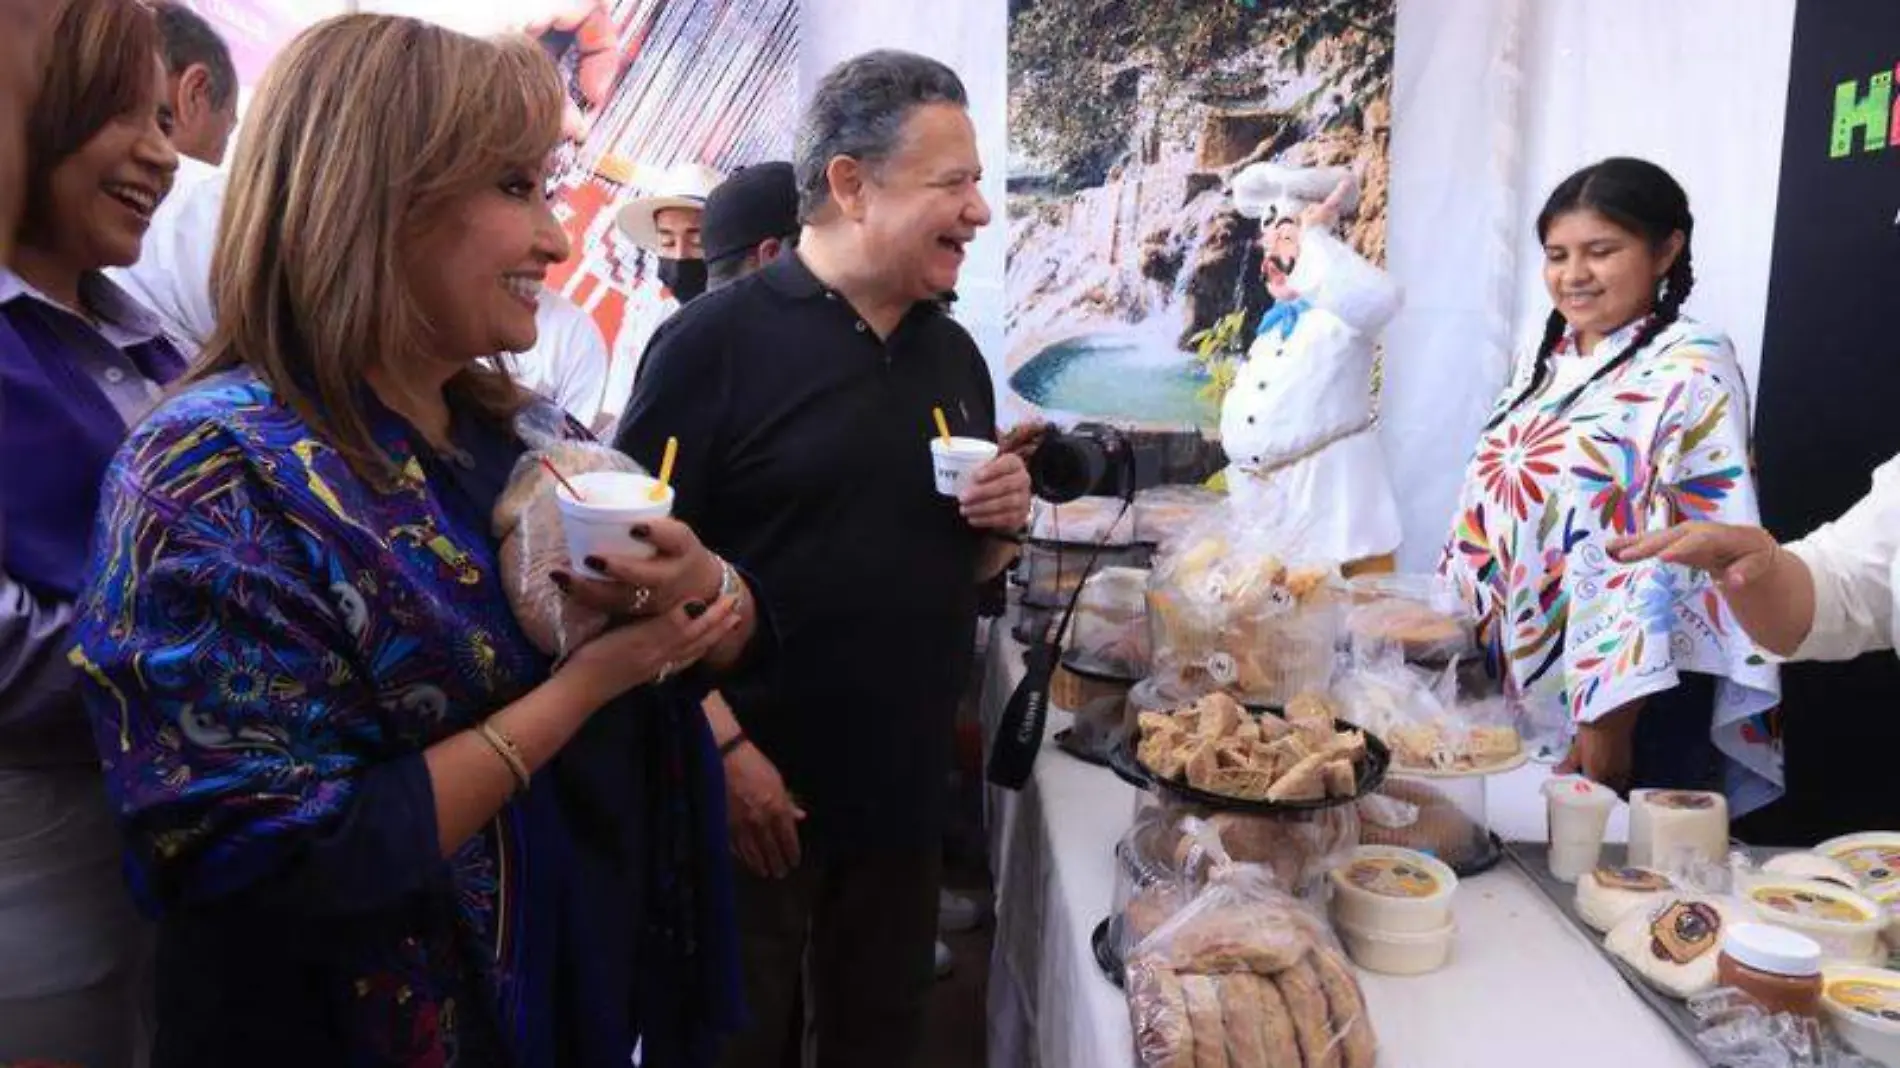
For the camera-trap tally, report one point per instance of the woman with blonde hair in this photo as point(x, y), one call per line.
point(377, 825)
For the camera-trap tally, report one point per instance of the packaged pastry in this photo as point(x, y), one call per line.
point(1412, 814)
point(1245, 975)
point(1418, 616)
point(1051, 572)
point(1607, 895)
point(1083, 521)
point(1109, 632)
point(1674, 944)
point(1164, 513)
point(1420, 716)
point(1232, 607)
point(527, 523)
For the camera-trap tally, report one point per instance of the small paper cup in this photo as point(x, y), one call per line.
point(956, 460)
point(1579, 812)
point(601, 524)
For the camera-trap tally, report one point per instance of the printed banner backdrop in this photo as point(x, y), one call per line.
point(709, 82)
point(1133, 284)
point(654, 83)
point(1829, 380)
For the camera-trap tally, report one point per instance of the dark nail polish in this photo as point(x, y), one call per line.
point(594, 563)
point(695, 609)
point(640, 530)
point(560, 579)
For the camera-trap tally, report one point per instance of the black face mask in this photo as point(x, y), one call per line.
point(686, 278)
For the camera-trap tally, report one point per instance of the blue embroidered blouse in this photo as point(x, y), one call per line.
point(270, 643)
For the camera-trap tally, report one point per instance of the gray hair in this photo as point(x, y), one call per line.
point(859, 110)
point(190, 39)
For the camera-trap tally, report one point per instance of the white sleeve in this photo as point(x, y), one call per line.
point(580, 369)
point(1852, 562)
point(1333, 277)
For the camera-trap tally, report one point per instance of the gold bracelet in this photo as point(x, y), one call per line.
point(508, 751)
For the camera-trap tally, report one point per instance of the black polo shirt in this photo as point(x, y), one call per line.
point(805, 457)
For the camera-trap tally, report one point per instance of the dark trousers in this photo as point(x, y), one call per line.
point(861, 933)
point(1672, 749)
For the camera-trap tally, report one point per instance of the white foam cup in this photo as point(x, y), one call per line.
point(956, 460)
point(601, 523)
point(1579, 813)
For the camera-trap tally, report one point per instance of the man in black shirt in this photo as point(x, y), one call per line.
point(802, 397)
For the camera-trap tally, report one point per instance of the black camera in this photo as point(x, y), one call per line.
point(1103, 460)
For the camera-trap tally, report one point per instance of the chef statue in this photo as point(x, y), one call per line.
point(1300, 425)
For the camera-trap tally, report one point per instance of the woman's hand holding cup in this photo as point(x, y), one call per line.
point(679, 572)
point(653, 649)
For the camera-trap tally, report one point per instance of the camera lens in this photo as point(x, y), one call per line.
point(1067, 466)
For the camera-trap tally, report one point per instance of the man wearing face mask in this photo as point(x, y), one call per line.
point(665, 224)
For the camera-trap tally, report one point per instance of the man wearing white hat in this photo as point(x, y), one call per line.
point(665, 223)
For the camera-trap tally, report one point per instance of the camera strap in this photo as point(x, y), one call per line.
point(1019, 733)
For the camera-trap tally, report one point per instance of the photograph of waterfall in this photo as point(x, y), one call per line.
point(1134, 285)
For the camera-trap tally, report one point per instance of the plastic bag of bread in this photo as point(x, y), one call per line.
point(1240, 607)
point(1420, 617)
point(1164, 513)
point(527, 522)
point(1419, 715)
point(1243, 974)
point(1109, 631)
point(1410, 814)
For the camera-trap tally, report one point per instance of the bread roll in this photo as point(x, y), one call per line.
point(1158, 1013)
point(1312, 1022)
point(1346, 1006)
point(1206, 1021)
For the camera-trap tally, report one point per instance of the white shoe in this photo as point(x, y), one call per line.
point(945, 962)
point(956, 913)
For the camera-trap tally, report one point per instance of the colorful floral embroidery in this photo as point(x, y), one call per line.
point(1661, 440)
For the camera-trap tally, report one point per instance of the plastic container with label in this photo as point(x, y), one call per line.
point(1398, 954)
point(1874, 856)
point(1864, 1006)
point(1384, 890)
point(1846, 924)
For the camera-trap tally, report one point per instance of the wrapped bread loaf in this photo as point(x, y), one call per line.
point(1245, 976)
point(527, 522)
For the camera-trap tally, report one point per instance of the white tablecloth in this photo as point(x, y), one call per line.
point(1524, 986)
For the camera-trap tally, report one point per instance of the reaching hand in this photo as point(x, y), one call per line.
point(1735, 556)
point(1605, 750)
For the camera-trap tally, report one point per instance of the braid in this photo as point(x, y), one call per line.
point(1675, 289)
point(1553, 333)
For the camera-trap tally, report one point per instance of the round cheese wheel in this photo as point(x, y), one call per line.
point(1674, 945)
point(1606, 895)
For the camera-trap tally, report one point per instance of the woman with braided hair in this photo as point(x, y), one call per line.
point(1630, 418)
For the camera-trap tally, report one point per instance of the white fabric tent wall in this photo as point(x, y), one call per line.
point(973, 38)
point(1698, 86)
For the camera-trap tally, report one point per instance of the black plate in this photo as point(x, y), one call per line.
point(1483, 862)
point(1371, 774)
point(1065, 741)
point(1106, 958)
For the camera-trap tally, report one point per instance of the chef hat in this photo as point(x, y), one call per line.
point(1273, 191)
